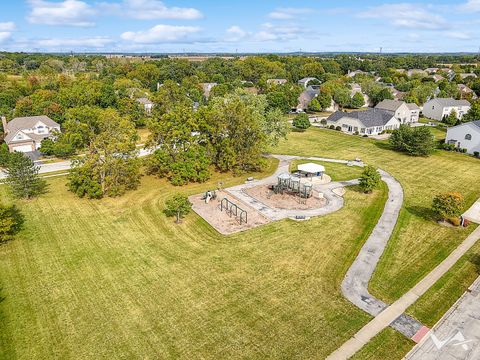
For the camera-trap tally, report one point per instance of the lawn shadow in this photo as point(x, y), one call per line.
point(422, 212)
point(384, 145)
point(475, 260)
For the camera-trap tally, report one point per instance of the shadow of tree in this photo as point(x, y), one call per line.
point(475, 260)
point(422, 212)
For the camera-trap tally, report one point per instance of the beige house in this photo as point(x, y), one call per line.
point(277, 81)
point(147, 105)
point(25, 134)
point(403, 112)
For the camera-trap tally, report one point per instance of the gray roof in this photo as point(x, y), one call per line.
point(451, 102)
point(369, 118)
point(476, 122)
point(390, 105)
point(22, 123)
point(413, 106)
point(144, 101)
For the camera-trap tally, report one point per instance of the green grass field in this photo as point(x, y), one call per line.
point(117, 279)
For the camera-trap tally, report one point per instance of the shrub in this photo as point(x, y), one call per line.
point(447, 205)
point(301, 122)
point(454, 221)
point(332, 127)
point(355, 133)
point(448, 147)
point(338, 128)
point(417, 141)
point(476, 154)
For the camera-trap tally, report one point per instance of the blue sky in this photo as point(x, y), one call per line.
point(243, 26)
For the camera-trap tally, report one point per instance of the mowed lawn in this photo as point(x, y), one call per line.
point(418, 243)
point(116, 279)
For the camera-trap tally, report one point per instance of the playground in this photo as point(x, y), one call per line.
point(300, 195)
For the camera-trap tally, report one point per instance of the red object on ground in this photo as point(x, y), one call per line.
point(420, 334)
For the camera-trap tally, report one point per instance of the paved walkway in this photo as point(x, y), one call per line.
point(392, 312)
point(355, 284)
point(334, 201)
point(457, 334)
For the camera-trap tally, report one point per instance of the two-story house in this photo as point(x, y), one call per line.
point(438, 108)
point(25, 134)
point(403, 112)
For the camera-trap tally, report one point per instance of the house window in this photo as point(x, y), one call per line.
point(468, 137)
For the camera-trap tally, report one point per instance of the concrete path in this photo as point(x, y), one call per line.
point(473, 214)
point(457, 334)
point(355, 284)
point(392, 312)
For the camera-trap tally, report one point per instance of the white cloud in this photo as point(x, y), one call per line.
point(68, 12)
point(94, 42)
point(272, 32)
point(7, 26)
point(160, 34)
point(288, 13)
point(460, 35)
point(151, 9)
point(407, 15)
point(6, 29)
point(471, 5)
point(236, 33)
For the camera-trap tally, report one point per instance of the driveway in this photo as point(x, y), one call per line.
point(457, 335)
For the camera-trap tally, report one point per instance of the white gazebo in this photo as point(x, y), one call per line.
point(311, 169)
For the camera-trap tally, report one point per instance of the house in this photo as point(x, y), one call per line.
point(397, 94)
point(399, 109)
point(465, 136)
point(437, 77)
point(207, 88)
point(147, 105)
point(277, 81)
point(413, 72)
point(306, 97)
point(465, 91)
point(368, 122)
point(304, 82)
point(357, 89)
point(432, 70)
point(467, 75)
point(352, 74)
point(438, 108)
point(25, 134)
point(414, 112)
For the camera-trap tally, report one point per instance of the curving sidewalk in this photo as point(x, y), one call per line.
point(355, 284)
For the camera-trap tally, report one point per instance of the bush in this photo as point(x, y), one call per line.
point(355, 133)
point(448, 147)
point(301, 122)
point(338, 128)
point(417, 141)
point(454, 221)
point(332, 127)
point(365, 136)
point(476, 154)
point(447, 205)
point(323, 122)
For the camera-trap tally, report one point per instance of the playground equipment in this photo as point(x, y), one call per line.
point(233, 209)
point(293, 185)
point(209, 195)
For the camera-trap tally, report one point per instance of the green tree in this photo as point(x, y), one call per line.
point(276, 126)
point(178, 205)
point(370, 179)
point(342, 97)
point(451, 119)
point(325, 100)
point(448, 205)
point(22, 176)
point(357, 101)
point(110, 166)
point(301, 122)
point(11, 221)
point(315, 105)
point(418, 141)
point(179, 156)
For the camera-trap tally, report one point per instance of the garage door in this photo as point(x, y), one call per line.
point(23, 148)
